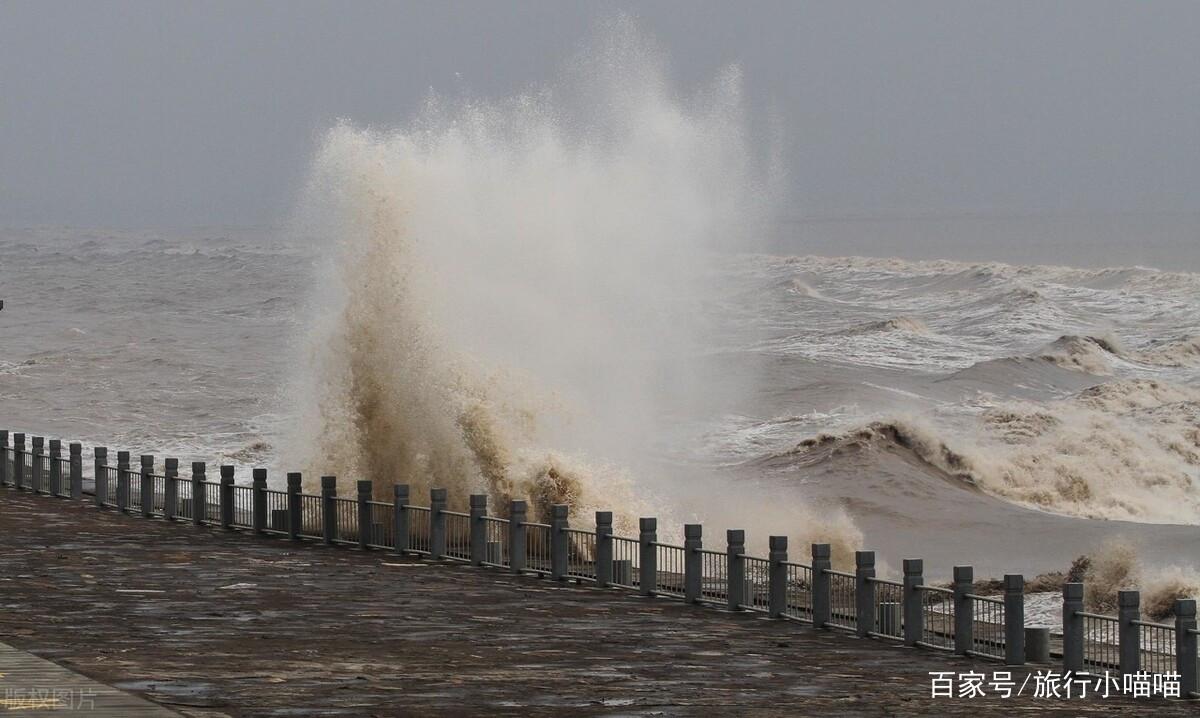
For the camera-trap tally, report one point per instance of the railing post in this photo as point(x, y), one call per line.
point(822, 588)
point(777, 576)
point(864, 592)
point(1072, 627)
point(693, 562)
point(328, 509)
point(400, 517)
point(258, 500)
point(76, 485)
point(604, 548)
point(170, 489)
point(517, 513)
point(477, 528)
point(199, 493)
point(295, 505)
point(225, 491)
point(964, 616)
point(4, 452)
point(1185, 645)
point(56, 467)
point(365, 491)
point(735, 568)
point(1014, 619)
point(19, 461)
point(1128, 632)
point(147, 486)
point(124, 478)
point(914, 612)
point(38, 465)
point(99, 469)
point(559, 542)
point(648, 556)
point(437, 524)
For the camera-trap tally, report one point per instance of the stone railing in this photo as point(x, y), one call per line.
point(953, 619)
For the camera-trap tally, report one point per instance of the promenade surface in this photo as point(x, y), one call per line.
point(34, 686)
point(214, 623)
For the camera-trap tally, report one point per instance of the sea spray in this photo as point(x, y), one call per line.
point(512, 291)
point(1116, 565)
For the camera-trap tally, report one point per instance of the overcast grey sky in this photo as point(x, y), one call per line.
point(171, 113)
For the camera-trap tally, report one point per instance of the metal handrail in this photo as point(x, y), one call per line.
point(666, 545)
point(1152, 624)
point(989, 599)
point(1102, 617)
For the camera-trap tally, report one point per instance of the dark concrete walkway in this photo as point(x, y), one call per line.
point(32, 686)
point(213, 623)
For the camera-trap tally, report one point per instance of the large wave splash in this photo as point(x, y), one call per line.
point(1127, 449)
point(512, 287)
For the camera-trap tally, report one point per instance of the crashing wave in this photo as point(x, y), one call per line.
point(1127, 449)
point(1090, 354)
point(1095, 354)
point(1174, 353)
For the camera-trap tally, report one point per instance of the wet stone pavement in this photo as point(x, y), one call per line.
point(215, 623)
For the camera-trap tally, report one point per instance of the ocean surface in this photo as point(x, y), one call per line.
point(1006, 415)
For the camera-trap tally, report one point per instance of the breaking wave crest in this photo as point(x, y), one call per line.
point(895, 324)
point(1090, 354)
point(1127, 449)
point(1095, 354)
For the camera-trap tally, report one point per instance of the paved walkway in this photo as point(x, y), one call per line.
point(214, 623)
point(32, 686)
